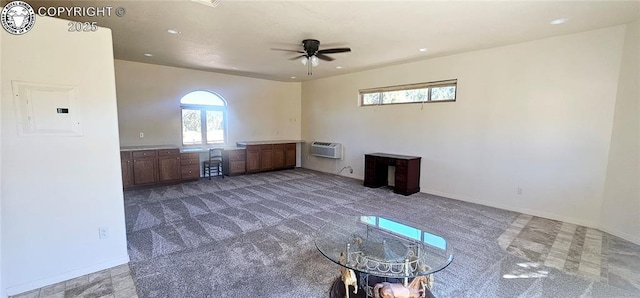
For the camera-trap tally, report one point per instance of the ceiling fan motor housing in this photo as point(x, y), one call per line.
point(311, 46)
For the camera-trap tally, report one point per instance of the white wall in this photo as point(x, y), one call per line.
point(149, 102)
point(621, 202)
point(57, 191)
point(536, 115)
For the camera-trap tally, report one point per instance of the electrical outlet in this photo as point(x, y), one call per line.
point(103, 232)
point(519, 190)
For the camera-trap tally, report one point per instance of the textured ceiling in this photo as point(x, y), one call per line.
point(237, 37)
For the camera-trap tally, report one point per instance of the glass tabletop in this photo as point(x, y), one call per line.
point(383, 247)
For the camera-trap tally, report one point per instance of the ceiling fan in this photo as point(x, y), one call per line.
point(311, 53)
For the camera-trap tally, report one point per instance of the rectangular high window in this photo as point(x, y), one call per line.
point(413, 93)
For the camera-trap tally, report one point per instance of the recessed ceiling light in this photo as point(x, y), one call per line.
point(173, 31)
point(339, 67)
point(293, 77)
point(423, 49)
point(558, 21)
point(235, 68)
point(148, 55)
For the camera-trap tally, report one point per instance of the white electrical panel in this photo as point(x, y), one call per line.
point(46, 109)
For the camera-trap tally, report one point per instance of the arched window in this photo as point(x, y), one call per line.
point(204, 116)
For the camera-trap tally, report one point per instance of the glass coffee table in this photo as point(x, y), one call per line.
point(383, 250)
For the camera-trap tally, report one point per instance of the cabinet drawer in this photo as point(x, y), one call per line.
point(236, 155)
point(144, 153)
point(401, 176)
point(190, 155)
point(290, 146)
point(237, 167)
point(190, 172)
point(266, 147)
point(165, 152)
point(125, 155)
point(278, 146)
point(189, 162)
point(401, 162)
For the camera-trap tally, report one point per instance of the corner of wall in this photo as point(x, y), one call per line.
point(620, 211)
point(49, 254)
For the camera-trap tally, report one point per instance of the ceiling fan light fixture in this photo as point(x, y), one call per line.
point(304, 60)
point(559, 21)
point(314, 61)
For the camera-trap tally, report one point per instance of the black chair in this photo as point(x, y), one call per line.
point(213, 164)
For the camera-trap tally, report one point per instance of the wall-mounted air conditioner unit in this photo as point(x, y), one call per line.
point(325, 149)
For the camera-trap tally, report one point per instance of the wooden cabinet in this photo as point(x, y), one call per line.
point(126, 165)
point(234, 162)
point(162, 166)
point(169, 165)
point(266, 157)
point(145, 167)
point(190, 166)
point(253, 158)
point(278, 156)
point(290, 156)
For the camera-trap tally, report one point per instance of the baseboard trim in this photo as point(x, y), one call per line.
point(533, 212)
point(623, 235)
point(32, 285)
point(554, 216)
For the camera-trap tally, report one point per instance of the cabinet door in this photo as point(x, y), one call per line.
point(145, 170)
point(290, 156)
point(237, 162)
point(278, 156)
point(127, 173)
point(191, 172)
point(169, 168)
point(253, 158)
point(237, 167)
point(266, 158)
point(375, 171)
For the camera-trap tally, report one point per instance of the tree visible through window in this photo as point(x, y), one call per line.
point(203, 118)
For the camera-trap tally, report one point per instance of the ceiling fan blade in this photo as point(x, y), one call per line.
point(298, 57)
point(323, 57)
point(294, 51)
point(333, 51)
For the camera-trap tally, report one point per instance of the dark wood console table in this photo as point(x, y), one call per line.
point(407, 172)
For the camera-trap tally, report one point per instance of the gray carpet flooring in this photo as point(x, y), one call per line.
point(252, 236)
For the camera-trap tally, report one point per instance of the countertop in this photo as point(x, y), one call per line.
point(205, 149)
point(249, 143)
point(148, 147)
point(182, 149)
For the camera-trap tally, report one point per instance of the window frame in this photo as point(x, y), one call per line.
point(426, 85)
point(203, 118)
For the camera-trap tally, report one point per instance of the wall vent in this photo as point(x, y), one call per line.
point(326, 149)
